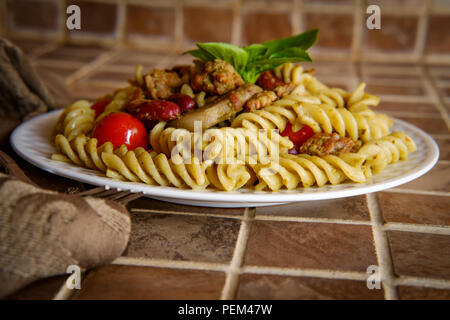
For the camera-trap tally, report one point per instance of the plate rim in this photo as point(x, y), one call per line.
point(223, 196)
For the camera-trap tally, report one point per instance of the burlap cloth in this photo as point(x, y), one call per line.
point(43, 232)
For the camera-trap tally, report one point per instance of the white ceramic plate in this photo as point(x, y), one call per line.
point(31, 140)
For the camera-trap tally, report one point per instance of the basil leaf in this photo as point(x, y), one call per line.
point(255, 52)
point(201, 54)
point(291, 53)
point(277, 61)
point(303, 41)
point(252, 60)
point(228, 52)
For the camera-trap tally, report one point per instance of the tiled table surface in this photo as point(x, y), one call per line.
point(310, 250)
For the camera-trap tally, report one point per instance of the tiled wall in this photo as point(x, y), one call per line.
point(411, 30)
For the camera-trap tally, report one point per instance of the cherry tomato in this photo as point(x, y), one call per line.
point(297, 137)
point(99, 106)
point(268, 81)
point(121, 128)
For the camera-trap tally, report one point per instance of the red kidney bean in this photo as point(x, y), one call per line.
point(158, 110)
point(185, 102)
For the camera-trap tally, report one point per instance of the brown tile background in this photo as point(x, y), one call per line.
point(137, 283)
point(151, 22)
point(436, 41)
point(97, 17)
point(339, 29)
point(182, 237)
point(259, 27)
point(44, 289)
point(420, 254)
point(310, 246)
point(411, 28)
point(33, 14)
point(435, 180)
point(397, 33)
point(420, 293)
point(266, 287)
point(198, 22)
point(414, 208)
point(311, 250)
point(354, 208)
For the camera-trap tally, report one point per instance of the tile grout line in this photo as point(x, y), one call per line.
point(419, 192)
point(121, 22)
point(312, 220)
point(187, 213)
point(309, 273)
point(251, 269)
point(65, 293)
point(422, 28)
point(236, 24)
point(175, 264)
point(53, 63)
point(386, 267)
point(41, 50)
point(418, 228)
point(178, 25)
point(91, 66)
point(257, 217)
point(296, 17)
point(230, 287)
point(434, 92)
point(358, 20)
point(422, 282)
point(406, 227)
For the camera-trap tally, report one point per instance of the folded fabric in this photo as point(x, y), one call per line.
point(43, 232)
point(22, 93)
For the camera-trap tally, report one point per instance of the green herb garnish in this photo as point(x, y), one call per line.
point(251, 61)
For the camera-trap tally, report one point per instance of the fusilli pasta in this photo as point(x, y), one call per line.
point(76, 119)
point(82, 151)
point(223, 145)
point(306, 110)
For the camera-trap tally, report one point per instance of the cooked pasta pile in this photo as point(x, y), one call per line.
point(260, 156)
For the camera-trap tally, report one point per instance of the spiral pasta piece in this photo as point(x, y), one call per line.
point(229, 177)
point(306, 111)
point(379, 153)
point(154, 168)
point(138, 75)
point(119, 101)
point(360, 101)
point(304, 170)
point(289, 72)
point(199, 98)
point(82, 151)
point(223, 145)
point(76, 119)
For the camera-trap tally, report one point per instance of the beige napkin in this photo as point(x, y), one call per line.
point(43, 232)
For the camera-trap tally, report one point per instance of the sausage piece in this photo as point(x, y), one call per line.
point(322, 144)
point(220, 110)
